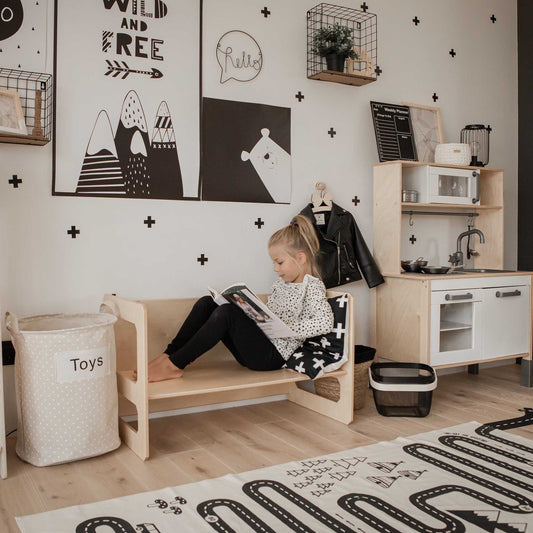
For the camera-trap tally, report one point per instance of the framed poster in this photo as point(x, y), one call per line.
point(252, 143)
point(427, 129)
point(11, 114)
point(394, 132)
point(127, 99)
point(23, 34)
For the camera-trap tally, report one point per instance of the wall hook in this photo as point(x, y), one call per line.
point(411, 221)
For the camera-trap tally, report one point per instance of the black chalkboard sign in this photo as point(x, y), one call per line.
point(394, 132)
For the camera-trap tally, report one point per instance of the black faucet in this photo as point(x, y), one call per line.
point(456, 258)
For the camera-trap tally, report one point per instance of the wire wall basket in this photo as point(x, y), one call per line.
point(363, 26)
point(35, 93)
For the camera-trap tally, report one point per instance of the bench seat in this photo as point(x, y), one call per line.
point(223, 377)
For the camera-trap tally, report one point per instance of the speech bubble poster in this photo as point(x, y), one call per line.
point(239, 57)
point(127, 99)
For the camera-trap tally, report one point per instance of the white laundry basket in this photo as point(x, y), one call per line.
point(66, 388)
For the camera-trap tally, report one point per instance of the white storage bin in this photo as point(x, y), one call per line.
point(453, 154)
point(66, 388)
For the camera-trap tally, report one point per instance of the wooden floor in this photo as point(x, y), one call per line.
point(204, 445)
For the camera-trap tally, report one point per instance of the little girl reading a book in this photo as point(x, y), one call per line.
point(298, 297)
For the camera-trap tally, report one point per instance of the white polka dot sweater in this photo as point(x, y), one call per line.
point(304, 308)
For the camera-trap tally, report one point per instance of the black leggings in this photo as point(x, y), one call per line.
point(209, 323)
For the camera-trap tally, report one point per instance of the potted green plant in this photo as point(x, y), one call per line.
point(335, 43)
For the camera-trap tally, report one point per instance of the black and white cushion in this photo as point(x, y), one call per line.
point(324, 353)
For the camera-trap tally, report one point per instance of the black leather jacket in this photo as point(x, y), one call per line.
point(342, 249)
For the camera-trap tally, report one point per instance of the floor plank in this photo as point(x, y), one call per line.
point(198, 446)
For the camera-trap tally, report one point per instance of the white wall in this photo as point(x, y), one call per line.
point(44, 270)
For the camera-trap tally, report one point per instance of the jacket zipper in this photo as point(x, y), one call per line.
point(339, 263)
point(338, 258)
point(347, 256)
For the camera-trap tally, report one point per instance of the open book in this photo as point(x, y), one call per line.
point(239, 294)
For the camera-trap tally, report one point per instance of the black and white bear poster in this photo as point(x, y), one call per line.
point(127, 99)
point(245, 152)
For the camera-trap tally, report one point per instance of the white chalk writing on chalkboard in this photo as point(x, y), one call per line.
point(394, 132)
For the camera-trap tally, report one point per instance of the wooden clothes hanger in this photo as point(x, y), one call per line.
point(321, 200)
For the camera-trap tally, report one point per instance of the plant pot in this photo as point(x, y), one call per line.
point(335, 62)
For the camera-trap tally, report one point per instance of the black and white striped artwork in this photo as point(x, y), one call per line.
point(101, 171)
point(132, 163)
point(166, 173)
point(133, 146)
point(128, 99)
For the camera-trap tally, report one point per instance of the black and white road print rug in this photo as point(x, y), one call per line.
point(471, 477)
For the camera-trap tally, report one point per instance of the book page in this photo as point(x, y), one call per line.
point(271, 325)
point(217, 297)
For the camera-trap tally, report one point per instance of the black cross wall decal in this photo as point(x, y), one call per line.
point(15, 181)
point(416, 20)
point(202, 259)
point(364, 7)
point(489, 129)
point(332, 132)
point(149, 222)
point(412, 239)
point(73, 231)
point(265, 12)
point(378, 70)
point(299, 95)
point(452, 52)
point(356, 201)
point(259, 223)
point(493, 18)
point(435, 97)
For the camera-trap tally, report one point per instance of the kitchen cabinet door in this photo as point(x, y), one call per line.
point(456, 335)
point(505, 321)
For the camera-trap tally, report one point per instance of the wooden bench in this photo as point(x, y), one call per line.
point(143, 330)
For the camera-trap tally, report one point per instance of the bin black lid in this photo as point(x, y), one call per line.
point(425, 375)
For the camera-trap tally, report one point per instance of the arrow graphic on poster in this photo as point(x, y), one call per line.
point(121, 67)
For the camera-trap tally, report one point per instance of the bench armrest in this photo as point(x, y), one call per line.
point(134, 312)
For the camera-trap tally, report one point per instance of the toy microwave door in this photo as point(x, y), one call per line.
point(453, 186)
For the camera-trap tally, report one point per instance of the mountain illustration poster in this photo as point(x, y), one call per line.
point(127, 99)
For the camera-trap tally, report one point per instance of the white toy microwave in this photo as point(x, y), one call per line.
point(442, 185)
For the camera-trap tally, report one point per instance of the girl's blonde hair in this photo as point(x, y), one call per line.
point(298, 236)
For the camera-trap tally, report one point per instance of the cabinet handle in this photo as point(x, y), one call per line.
point(505, 294)
point(467, 296)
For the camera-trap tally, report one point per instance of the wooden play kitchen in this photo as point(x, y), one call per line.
point(463, 317)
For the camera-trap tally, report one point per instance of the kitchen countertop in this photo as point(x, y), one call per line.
point(421, 276)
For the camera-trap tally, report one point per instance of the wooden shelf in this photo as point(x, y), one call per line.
point(389, 214)
point(342, 77)
point(23, 139)
point(448, 325)
point(467, 207)
point(407, 164)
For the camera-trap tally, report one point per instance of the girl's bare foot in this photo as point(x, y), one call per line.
point(161, 369)
point(154, 361)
